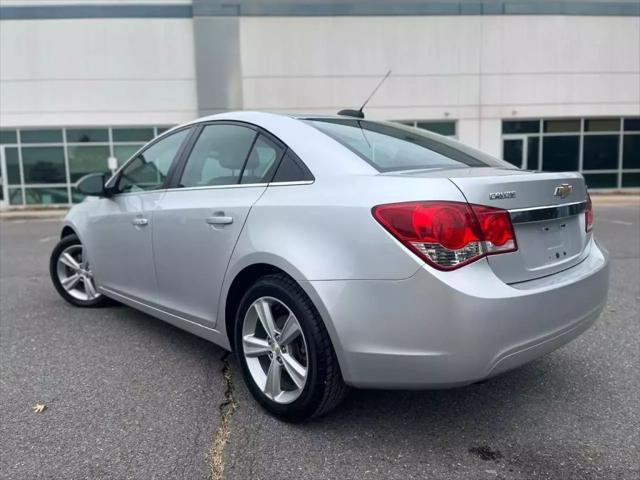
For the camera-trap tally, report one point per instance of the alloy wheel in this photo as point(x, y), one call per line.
point(75, 275)
point(275, 350)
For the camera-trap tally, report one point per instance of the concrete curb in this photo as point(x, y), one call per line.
point(12, 215)
point(626, 199)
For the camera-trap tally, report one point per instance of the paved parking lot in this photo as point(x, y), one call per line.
point(128, 396)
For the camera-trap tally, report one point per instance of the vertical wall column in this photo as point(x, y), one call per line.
point(218, 66)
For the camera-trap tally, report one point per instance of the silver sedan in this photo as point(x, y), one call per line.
point(336, 251)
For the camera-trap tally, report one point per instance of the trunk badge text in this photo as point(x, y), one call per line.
point(563, 191)
point(502, 195)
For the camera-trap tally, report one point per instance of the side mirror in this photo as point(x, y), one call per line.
point(92, 185)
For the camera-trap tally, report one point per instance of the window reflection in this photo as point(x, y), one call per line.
point(84, 160)
point(43, 164)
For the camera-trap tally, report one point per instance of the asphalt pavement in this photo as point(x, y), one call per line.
point(128, 396)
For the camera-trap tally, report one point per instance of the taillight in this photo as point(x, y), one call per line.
point(588, 215)
point(448, 234)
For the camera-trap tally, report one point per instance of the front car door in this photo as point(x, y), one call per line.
point(197, 223)
point(119, 227)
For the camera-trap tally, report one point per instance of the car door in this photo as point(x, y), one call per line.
point(198, 222)
point(120, 226)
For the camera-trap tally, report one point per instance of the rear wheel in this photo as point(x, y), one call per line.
point(287, 359)
point(71, 274)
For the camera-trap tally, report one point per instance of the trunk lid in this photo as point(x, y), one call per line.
point(549, 224)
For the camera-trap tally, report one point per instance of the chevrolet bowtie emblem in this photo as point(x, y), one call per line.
point(563, 191)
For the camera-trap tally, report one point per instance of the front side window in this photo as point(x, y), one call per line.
point(149, 169)
point(388, 147)
point(218, 156)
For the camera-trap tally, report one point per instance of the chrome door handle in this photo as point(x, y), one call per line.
point(140, 221)
point(219, 220)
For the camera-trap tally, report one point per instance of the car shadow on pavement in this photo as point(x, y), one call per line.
point(490, 422)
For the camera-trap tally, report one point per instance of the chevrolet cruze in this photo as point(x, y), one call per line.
point(336, 251)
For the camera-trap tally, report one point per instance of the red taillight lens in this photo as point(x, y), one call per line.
point(588, 215)
point(448, 234)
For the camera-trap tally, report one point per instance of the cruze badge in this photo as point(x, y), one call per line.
point(502, 195)
point(563, 191)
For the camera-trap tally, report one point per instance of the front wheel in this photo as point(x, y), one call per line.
point(71, 274)
point(283, 347)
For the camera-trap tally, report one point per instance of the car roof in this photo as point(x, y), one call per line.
point(309, 143)
point(257, 115)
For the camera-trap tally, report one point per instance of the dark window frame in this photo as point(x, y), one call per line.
point(180, 162)
point(114, 182)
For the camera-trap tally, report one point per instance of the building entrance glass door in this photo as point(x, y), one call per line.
point(514, 151)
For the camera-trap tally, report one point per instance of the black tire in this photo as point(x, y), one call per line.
point(324, 388)
point(64, 243)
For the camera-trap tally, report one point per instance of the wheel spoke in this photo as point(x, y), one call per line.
point(70, 262)
point(254, 346)
point(294, 369)
point(290, 331)
point(71, 281)
point(83, 260)
point(266, 317)
point(89, 288)
point(272, 387)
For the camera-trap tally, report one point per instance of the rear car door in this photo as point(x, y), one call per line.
point(120, 226)
point(198, 221)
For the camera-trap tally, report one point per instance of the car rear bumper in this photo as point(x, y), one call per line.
point(443, 329)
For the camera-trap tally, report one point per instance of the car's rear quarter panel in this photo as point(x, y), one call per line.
point(326, 230)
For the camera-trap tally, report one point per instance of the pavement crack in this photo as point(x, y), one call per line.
point(227, 408)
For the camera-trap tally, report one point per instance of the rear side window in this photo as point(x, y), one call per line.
point(263, 161)
point(291, 170)
point(218, 156)
point(389, 147)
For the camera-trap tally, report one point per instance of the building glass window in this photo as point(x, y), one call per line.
point(46, 196)
point(596, 147)
point(41, 136)
point(632, 124)
point(133, 134)
point(631, 152)
point(520, 126)
point(601, 180)
point(533, 151)
point(441, 127)
point(631, 179)
point(13, 165)
point(602, 125)
point(561, 126)
point(600, 152)
point(15, 196)
point(8, 137)
point(87, 159)
point(87, 135)
point(512, 152)
point(560, 154)
point(43, 164)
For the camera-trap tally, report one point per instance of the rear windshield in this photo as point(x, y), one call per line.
point(388, 147)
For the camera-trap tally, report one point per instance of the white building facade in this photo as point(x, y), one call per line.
point(547, 85)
